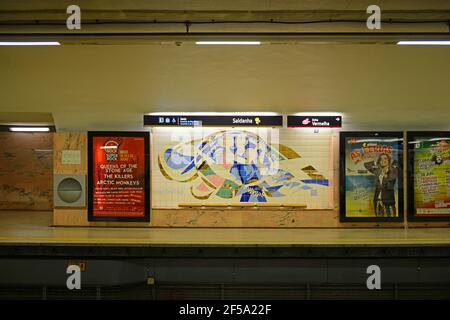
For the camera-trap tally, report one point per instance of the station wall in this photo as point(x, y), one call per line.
point(319, 150)
point(26, 174)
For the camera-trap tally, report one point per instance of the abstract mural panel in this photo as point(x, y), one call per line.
point(230, 166)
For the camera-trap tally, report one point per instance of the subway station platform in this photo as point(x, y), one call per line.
point(23, 232)
point(203, 263)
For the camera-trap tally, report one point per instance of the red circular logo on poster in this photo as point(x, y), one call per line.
point(111, 149)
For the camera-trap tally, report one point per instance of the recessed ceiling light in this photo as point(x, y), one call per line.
point(249, 43)
point(29, 43)
point(318, 114)
point(425, 42)
point(29, 129)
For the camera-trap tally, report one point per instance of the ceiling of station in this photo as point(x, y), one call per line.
point(162, 10)
point(109, 87)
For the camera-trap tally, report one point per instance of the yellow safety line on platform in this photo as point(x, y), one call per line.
point(150, 241)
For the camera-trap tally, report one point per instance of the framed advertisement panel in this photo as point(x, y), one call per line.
point(371, 176)
point(118, 176)
point(428, 176)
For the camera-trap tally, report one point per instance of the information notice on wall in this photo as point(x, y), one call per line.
point(71, 157)
point(118, 177)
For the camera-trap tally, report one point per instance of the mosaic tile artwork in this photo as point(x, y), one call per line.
point(238, 166)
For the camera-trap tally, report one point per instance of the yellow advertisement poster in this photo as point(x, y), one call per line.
point(431, 174)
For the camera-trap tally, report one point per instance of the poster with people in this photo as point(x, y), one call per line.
point(118, 176)
point(371, 176)
point(429, 175)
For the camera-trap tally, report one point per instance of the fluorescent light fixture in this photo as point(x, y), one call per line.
point(426, 140)
point(247, 43)
point(29, 129)
point(213, 114)
point(29, 43)
point(318, 114)
point(425, 42)
point(378, 140)
point(108, 147)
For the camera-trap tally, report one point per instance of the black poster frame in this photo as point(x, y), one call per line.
point(342, 176)
point(413, 136)
point(147, 187)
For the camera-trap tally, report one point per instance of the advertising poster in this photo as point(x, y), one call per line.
point(371, 176)
point(118, 176)
point(429, 174)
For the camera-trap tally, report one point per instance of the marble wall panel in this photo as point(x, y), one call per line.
point(26, 174)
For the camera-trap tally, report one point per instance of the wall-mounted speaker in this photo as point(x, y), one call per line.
point(69, 190)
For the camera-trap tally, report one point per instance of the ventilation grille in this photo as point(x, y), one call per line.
point(142, 291)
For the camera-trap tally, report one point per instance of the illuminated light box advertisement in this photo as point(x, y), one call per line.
point(118, 176)
point(371, 177)
point(429, 176)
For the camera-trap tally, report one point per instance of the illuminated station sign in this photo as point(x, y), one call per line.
point(312, 121)
point(212, 121)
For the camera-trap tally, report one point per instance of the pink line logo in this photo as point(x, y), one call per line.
point(306, 121)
